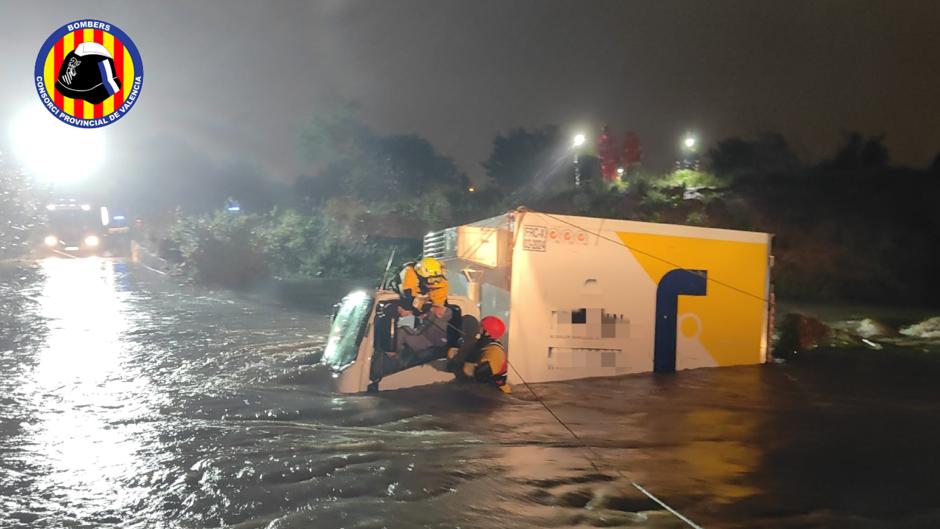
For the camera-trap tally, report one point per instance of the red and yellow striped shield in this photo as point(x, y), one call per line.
point(127, 68)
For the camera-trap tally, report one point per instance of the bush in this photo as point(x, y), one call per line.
point(220, 249)
point(239, 250)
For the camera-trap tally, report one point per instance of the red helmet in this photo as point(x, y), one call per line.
point(493, 327)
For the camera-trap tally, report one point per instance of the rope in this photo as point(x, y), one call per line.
point(591, 454)
point(584, 446)
point(588, 448)
point(676, 513)
point(557, 418)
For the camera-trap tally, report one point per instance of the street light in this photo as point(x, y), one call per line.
point(576, 143)
point(689, 152)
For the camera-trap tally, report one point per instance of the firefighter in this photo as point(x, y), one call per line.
point(420, 282)
point(432, 280)
point(488, 362)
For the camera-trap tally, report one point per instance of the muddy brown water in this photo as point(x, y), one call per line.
point(127, 400)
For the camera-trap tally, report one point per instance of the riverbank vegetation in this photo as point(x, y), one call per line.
point(849, 228)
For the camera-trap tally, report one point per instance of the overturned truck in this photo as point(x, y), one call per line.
point(582, 297)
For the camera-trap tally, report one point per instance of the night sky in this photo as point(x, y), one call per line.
point(233, 82)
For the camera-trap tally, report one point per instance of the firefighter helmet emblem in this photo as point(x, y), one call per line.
point(88, 73)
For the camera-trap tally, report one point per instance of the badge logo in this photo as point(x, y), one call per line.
point(89, 73)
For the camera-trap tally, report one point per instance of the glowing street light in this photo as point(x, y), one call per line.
point(689, 153)
point(576, 143)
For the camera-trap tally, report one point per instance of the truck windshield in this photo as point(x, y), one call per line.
point(68, 220)
point(349, 325)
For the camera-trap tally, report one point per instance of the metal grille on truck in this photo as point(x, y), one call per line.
point(441, 244)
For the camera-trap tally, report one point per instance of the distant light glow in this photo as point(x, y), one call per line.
point(54, 151)
point(105, 216)
point(118, 217)
point(620, 171)
point(471, 189)
point(51, 240)
point(86, 207)
point(579, 140)
point(92, 241)
point(50, 207)
point(234, 208)
point(689, 142)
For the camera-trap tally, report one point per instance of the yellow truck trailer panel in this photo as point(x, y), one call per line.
point(598, 297)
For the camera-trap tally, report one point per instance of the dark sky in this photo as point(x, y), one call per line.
point(233, 82)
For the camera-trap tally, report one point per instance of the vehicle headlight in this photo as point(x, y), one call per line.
point(51, 240)
point(92, 241)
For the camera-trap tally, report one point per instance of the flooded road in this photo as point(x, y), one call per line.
point(129, 401)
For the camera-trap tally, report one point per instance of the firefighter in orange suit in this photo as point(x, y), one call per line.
point(423, 282)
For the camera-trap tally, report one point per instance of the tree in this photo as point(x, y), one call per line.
point(410, 164)
point(764, 156)
point(313, 191)
point(608, 154)
point(333, 135)
point(390, 185)
point(632, 153)
point(935, 164)
point(874, 153)
point(350, 159)
point(255, 191)
point(526, 157)
point(859, 152)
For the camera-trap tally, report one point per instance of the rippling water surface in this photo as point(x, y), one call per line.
point(129, 401)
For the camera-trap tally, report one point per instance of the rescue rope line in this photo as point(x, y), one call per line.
point(668, 508)
point(584, 446)
point(561, 422)
point(658, 258)
point(598, 456)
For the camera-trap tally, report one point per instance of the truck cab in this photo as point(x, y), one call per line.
point(74, 228)
point(363, 330)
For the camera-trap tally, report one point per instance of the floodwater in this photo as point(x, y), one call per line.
point(129, 401)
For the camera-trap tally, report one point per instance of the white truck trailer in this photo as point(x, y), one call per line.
point(582, 297)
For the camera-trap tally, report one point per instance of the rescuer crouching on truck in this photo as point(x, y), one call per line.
point(423, 284)
point(488, 362)
point(423, 298)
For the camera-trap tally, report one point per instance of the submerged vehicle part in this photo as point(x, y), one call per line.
point(583, 297)
point(363, 332)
